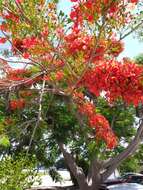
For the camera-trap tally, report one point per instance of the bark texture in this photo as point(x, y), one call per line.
point(77, 171)
point(96, 176)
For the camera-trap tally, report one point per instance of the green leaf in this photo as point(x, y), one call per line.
point(4, 141)
point(55, 1)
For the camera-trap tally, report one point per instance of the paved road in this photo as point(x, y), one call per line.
point(46, 180)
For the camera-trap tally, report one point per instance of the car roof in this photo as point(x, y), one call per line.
point(126, 186)
point(136, 174)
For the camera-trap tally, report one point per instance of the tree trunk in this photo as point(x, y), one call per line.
point(95, 186)
point(75, 169)
point(90, 188)
point(92, 181)
point(94, 176)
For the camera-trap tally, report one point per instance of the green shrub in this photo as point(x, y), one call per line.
point(17, 173)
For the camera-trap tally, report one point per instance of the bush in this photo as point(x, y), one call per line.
point(17, 173)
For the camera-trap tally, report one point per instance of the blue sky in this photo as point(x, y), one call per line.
point(132, 47)
point(65, 5)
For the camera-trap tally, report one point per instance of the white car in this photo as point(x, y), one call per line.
point(126, 186)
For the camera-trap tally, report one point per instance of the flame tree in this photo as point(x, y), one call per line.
point(75, 58)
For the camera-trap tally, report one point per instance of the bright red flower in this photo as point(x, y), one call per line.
point(59, 75)
point(87, 108)
point(26, 55)
point(118, 80)
point(46, 78)
point(17, 74)
point(17, 104)
point(19, 1)
point(29, 42)
point(134, 1)
point(11, 16)
point(3, 40)
point(3, 27)
point(103, 130)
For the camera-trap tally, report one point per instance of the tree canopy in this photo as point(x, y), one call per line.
point(72, 89)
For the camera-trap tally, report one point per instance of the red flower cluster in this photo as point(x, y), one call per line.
point(85, 45)
point(96, 121)
point(117, 80)
point(59, 75)
point(29, 42)
point(17, 74)
point(87, 109)
point(77, 42)
point(10, 16)
point(103, 130)
point(3, 27)
point(17, 104)
point(133, 1)
point(26, 43)
point(19, 1)
point(91, 10)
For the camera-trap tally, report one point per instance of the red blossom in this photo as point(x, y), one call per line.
point(3, 27)
point(19, 1)
point(103, 130)
point(11, 16)
point(87, 108)
point(17, 74)
point(134, 1)
point(29, 42)
point(3, 40)
point(17, 104)
point(59, 75)
point(26, 55)
point(118, 80)
point(46, 78)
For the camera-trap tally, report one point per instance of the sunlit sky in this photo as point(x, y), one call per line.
point(132, 46)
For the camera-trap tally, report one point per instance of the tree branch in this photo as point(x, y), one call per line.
point(39, 113)
point(113, 163)
point(131, 31)
point(94, 172)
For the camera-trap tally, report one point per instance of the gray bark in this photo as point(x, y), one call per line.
point(95, 178)
point(94, 175)
point(77, 171)
point(113, 163)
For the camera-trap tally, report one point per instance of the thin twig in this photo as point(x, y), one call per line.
point(131, 31)
point(39, 117)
